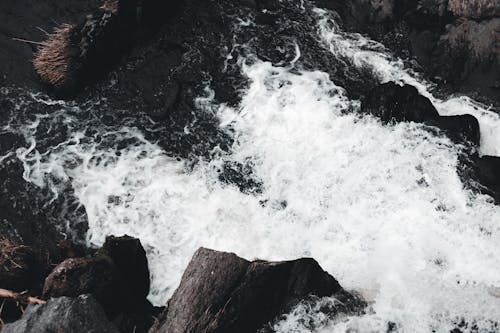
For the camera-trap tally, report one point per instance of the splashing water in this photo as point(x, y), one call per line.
point(367, 53)
point(380, 207)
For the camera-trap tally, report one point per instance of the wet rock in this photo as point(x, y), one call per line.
point(488, 174)
point(117, 276)
point(220, 292)
point(131, 267)
point(455, 42)
point(79, 315)
point(77, 276)
point(468, 54)
point(460, 129)
point(476, 9)
point(392, 102)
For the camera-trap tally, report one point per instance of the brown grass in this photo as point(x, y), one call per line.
point(7, 254)
point(55, 61)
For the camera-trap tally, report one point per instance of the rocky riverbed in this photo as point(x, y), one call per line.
point(194, 124)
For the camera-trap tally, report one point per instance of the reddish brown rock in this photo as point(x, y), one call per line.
point(221, 292)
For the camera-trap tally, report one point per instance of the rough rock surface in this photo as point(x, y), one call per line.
point(394, 103)
point(78, 315)
point(117, 276)
point(460, 129)
point(454, 41)
point(488, 173)
point(79, 276)
point(476, 9)
point(221, 292)
point(469, 52)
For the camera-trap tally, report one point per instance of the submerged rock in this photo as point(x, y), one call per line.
point(460, 129)
point(220, 292)
point(488, 174)
point(392, 102)
point(77, 315)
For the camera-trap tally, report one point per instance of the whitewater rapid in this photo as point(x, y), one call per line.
point(381, 208)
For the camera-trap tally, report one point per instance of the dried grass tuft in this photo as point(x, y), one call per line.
point(55, 61)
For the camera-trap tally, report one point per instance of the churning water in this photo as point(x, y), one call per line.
point(381, 208)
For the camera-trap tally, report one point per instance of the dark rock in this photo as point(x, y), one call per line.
point(391, 102)
point(139, 320)
point(220, 292)
point(131, 264)
point(79, 315)
point(79, 276)
point(488, 174)
point(455, 41)
point(460, 129)
point(117, 276)
point(468, 54)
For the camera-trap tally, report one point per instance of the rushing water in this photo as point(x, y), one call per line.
point(380, 207)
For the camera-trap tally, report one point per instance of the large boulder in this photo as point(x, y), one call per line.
point(392, 102)
point(460, 129)
point(131, 267)
point(77, 315)
point(77, 276)
point(117, 276)
point(488, 174)
point(220, 292)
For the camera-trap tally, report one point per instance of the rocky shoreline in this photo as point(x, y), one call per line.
point(453, 42)
point(159, 67)
point(106, 291)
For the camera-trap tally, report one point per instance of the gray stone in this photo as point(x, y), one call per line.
point(81, 314)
